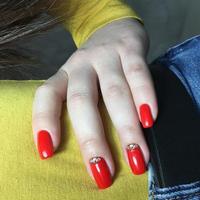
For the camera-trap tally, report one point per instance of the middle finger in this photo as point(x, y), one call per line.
point(82, 100)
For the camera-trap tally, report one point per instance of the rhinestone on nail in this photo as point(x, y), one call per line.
point(132, 146)
point(95, 159)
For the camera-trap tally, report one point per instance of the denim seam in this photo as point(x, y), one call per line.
point(185, 197)
point(184, 187)
point(153, 194)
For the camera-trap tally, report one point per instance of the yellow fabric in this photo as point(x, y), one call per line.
point(84, 17)
point(24, 176)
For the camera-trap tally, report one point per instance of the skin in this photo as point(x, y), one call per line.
point(113, 58)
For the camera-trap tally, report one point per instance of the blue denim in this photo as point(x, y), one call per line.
point(184, 61)
point(189, 191)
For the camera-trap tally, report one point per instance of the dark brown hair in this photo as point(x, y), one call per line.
point(19, 19)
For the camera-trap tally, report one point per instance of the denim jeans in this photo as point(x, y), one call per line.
point(184, 61)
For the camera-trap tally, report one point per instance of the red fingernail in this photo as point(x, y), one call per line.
point(145, 115)
point(100, 172)
point(45, 145)
point(136, 159)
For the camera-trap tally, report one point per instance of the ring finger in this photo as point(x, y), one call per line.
point(119, 102)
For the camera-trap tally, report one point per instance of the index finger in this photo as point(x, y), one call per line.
point(46, 113)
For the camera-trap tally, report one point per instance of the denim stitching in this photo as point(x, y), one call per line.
point(156, 193)
point(185, 197)
point(184, 187)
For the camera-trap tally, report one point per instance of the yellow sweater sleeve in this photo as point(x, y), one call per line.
point(84, 17)
point(24, 176)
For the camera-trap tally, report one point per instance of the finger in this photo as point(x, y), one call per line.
point(117, 97)
point(46, 113)
point(82, 100)
point(141, 85)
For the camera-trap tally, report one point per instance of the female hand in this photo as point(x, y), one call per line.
point(113, 57)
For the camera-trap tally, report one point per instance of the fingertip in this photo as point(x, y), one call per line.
point(45, 144)
point(101, 169)
point(154, 107)
point(147, 114)
point(146, 117)
point(101, 172)
point(137, 158)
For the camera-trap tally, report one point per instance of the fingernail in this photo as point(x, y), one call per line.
point(136, 159)
point(45, 145)
point(100, 172)
point(146, 116)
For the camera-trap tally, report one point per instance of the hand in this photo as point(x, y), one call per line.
point(113, 57)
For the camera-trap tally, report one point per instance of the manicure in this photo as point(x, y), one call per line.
point(146, 116)
point(100, 172)
point(45, 145)
point(136, 159)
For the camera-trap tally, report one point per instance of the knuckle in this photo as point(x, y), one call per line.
point(103, 48)
point(125, 41)
point(82, 52)
point(43, 116)
point(128, 129)
point(39, 116)
point(87, 144)
point(129, 132)
point(114, 90)
point(62, 72)
point(48, 90)
point(78, 98)
point(135, 69)
point(78, 57)
point(42, 89)
point(127, 44)
point(130, 47)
